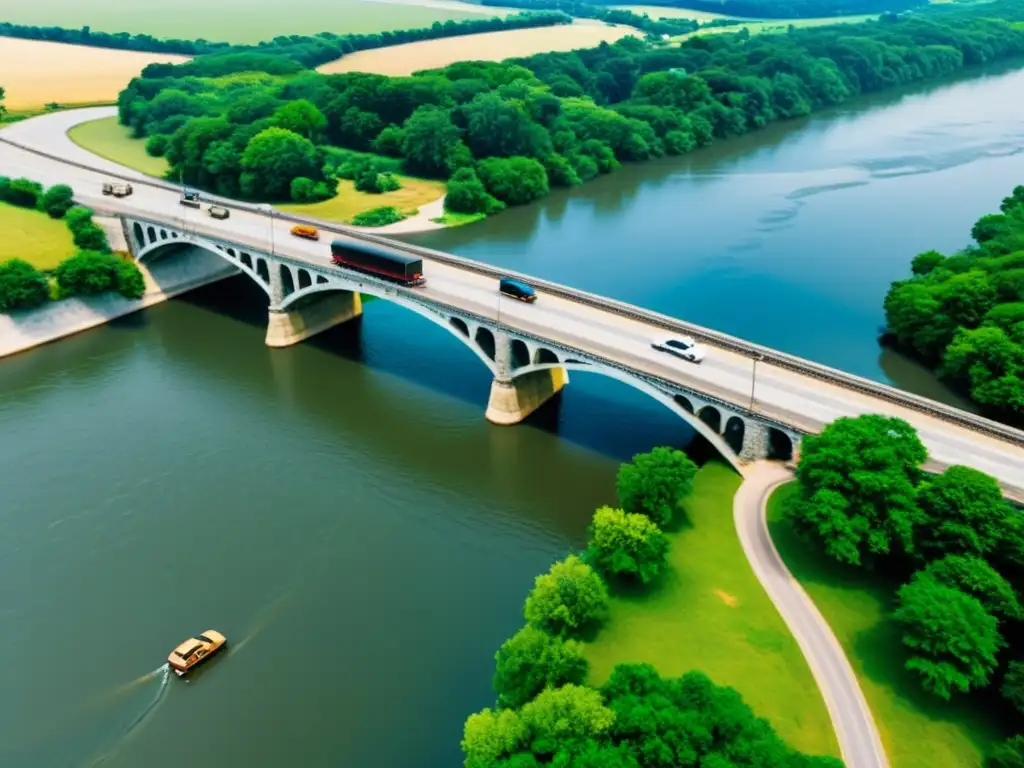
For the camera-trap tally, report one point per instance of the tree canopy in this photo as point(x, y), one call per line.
point(627, 546)
point(857, 496)
point(568, 598)
point(653, 483)
point(964, 314)
point(532, 660)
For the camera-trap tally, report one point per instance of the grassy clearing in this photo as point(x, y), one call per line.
point(349, 202)
point(34, 237)
point(488, 46)
point(239, 21)
point(664, 12)
point(108, 138)
point(37, 73)
point(918, 730)
point(778, 26)
point(450, 219)
point(711, 614)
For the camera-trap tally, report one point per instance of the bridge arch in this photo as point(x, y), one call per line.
point(669, 401)
point(240, 259)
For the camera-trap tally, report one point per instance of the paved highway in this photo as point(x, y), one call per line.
point(794, 398)
point(858, 737)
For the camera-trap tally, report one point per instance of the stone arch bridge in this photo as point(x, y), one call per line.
point(306, 298)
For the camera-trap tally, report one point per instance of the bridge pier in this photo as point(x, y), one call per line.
point(513, 399)
point(756, 444)
point(310, 316)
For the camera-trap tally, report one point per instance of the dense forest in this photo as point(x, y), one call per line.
point(964, 314)
point(299, 51)
point(513, 129)
point(758, 9)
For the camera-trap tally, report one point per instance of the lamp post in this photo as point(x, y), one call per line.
point(753, 378)
point(268, 209)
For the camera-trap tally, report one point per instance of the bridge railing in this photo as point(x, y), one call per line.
point(725, 341)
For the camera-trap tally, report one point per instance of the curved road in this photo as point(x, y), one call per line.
point(855, 729)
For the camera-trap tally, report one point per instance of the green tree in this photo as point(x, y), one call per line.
point(655, 483)
point(88, 273)
point(77, 216)
point(23, 192)
point(57, 201)
point(466, 194)
point(3, 109)
point(953, 640)
point(991, 365)
point(499, 128)
point(1007, 754)
point(491, 735)
point(430, 137)
point(91, 238)
point(567, 599)
point(857, 488)
point(156, 145)
point(973, 576)
point(626, 545)
point(532, 660)
point(1013, 685)
point(128, 280)
point(22, 286)
point(272, 159)
point(964, 512)
point(513, 180)
point(251, 106)
point(567, 713)
point(302, 117)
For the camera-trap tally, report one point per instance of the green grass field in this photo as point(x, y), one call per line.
point(107, 138)
point(239, 21)
point(34, 237)
point(711, 614)
point(777, 26)
point(918, 730)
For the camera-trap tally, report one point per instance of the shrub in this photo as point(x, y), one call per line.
point(23, 192)
point(156, 145)
point(91, 238)
point(654, 483)
point(22, 286)
point(466, 194)
point(513, 180)
point(91, 272)
point(301, 190)
point(567, 599)
point(378, 217)
point(389, 141)
point(388, 182)
point(128, 280)
point(57, 201)
point(77, 216)
point(532, 660)
point(626, 545)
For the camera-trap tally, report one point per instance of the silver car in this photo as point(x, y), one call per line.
point(684, 348)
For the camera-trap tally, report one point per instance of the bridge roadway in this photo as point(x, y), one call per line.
point(796, 399)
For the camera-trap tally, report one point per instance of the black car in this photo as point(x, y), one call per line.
point(517, 289)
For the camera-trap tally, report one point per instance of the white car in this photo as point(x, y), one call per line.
point(685, 348)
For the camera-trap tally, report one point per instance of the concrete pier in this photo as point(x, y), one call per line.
point(311, 316)
point(512, 401)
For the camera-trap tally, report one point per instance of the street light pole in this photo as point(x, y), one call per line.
point(753, 379)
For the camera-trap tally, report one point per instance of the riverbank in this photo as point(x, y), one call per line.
point(165, 279)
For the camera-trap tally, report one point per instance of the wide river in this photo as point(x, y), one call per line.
point(342, 511)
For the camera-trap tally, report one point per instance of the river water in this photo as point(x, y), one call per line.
point(341, 510)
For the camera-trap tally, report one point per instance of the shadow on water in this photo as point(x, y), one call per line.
point(594, 413)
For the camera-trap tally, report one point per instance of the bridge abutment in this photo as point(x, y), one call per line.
point(756, 444)
point(311, 316)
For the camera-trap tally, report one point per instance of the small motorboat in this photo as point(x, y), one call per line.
point(195, 650)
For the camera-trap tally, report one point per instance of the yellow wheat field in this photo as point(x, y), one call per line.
point(35, 73)
point(489, 46)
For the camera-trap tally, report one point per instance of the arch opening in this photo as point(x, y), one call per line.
point(520, 354)
point(544, 357)
point(735, 430)
point(163, 234)
point(780, 445)
point(485, 341)
point(304, 279)
point(247, 260)
point(683, 402)
point(140, 242)
point(232, 254)
point(287, 283)
point(712, 417)
point(262, 270)
point(458, 324)
point(151, 234)
point(321, 280)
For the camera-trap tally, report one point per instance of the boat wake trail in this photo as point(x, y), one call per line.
point(164, 674)
point(262, 620)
